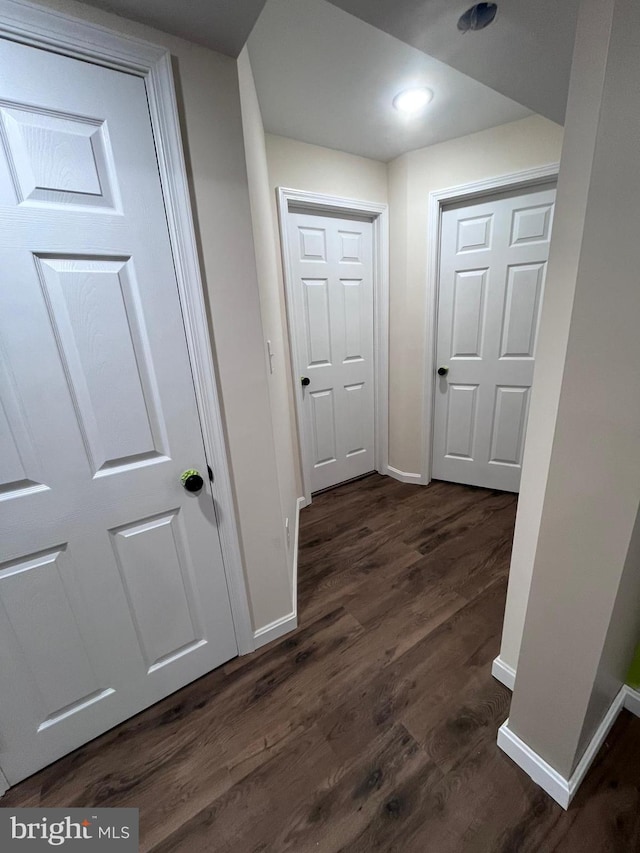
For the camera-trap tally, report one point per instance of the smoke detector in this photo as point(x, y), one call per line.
point(477, 17)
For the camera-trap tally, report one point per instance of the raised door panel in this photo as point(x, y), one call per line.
point(19, 468)
point(461, 421)
point(523, 297)
point(350, 243)
point(357, 423)
point(96, 314)
point(312, 244)
point(323, 427)
point(531, 224)
point(58, 160)
point(157, 574)
point(316, 319)
point(474, 234)
point(509, 423)
point(37, 605)
point(353, 299)
point(13, 473)
point(469, 294)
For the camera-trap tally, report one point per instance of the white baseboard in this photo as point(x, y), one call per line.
point(503, 673)
point(632, 700)
point(4, 785)
point(275, 630)
point(403, 476)
point(542, 773)
point(278, 628)
point(563, 790)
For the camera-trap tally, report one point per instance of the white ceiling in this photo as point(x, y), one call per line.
point(525, 54)
point(222, 25)
point(328, 77)
point(325, 77)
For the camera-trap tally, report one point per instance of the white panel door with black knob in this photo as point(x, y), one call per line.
point(331, 264)
point(493, 262)
point(112, 588)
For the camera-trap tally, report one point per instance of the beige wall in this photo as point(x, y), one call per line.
point(272, 306)
point(207, 86)
point(564, 257)
point(586, 555)
point(523, 144)
point(620, 644)
point(300, 166)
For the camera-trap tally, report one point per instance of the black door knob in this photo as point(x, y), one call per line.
point(304, 381)
point(192, 481)
point(442, 371)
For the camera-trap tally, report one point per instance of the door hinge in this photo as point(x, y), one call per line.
point(210, 473)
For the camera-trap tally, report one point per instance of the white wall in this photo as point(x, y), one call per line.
point(272, 308)
point(523, 144)
point(208, 93)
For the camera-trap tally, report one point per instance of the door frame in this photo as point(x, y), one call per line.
point(539, 177)
point(301, 201)
point(29, 24)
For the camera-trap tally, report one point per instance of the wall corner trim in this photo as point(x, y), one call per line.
point(503, 673)
point(563, 790)
point(404, 477)
point(279, 627)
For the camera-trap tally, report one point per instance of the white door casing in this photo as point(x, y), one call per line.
point(331, 263)
point(112, 587)
point(493, 258)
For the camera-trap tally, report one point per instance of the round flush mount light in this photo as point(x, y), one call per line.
point(412, 101)
point(477, 17)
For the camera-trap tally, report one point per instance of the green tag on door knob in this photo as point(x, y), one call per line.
point(192, 480)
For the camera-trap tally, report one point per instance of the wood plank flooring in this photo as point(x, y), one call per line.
point(373, 726)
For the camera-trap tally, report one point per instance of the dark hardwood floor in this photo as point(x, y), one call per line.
point(373, 726)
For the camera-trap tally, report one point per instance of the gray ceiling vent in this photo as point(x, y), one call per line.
point(477, 17)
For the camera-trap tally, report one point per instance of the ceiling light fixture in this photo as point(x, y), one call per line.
point(412, 100)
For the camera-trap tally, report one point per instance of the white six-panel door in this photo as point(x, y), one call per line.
point(493, 261)
point(112, 589)
point(331, 265)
